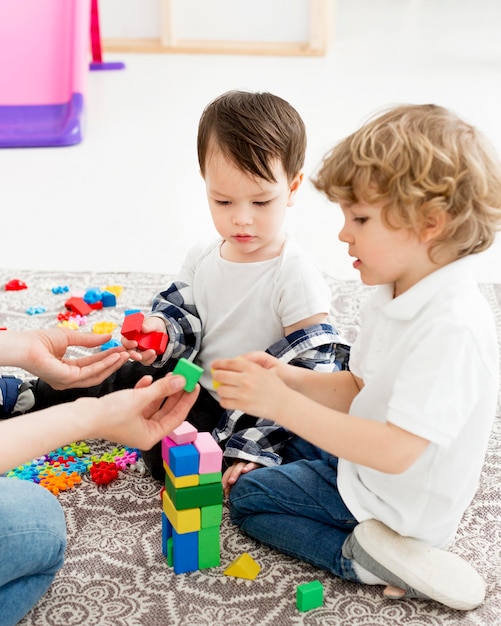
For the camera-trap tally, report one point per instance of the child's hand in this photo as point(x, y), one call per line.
point(251, 384)
point(146, 357)
point(231, 475)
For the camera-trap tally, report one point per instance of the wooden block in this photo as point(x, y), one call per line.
point(214, 477)
point(190, 371)
point(184, 552)
point(211, 455)
point(209, 549)
point(184, 460)
point(181, 481)
point(132, 325)
point(243, 567)
point(309, 595)
point(192, 497)
point(186, 521)
point(211, 515)
point(184, 433)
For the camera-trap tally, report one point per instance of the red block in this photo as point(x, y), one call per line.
point(132, 325)
point(152, 341)
point(78, 306)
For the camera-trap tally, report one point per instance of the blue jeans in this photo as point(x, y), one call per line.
point(296, 508)
point(32, 545)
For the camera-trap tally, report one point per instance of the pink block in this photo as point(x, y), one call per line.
point(184, 433)
point(167, 444)
point(211, 455)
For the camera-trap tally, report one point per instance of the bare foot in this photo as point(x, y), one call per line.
point(393, 593)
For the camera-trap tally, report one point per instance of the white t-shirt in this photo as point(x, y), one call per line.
point(245, 306)
point(429, 362)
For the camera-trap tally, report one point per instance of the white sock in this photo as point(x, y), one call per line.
point(365, 576)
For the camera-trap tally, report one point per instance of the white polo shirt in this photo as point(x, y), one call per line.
point(430, 365)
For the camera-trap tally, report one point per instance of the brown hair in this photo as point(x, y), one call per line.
point(417, 159)
point(253, 130)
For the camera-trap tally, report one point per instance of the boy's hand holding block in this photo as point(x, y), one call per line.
point(131, 329)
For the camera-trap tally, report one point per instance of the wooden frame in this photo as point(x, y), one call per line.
point(316, 45)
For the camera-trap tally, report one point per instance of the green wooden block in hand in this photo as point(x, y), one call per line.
point(190, 371)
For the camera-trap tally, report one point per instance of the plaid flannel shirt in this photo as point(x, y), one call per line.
point(259, 440)
point(245, 437)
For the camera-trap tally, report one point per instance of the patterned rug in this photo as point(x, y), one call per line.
point(115, 574)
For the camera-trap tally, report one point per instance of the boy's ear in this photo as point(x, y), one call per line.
point(433, 225)
point(294, 186)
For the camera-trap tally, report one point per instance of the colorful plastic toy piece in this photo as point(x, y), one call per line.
point(112, 343)
point(309, 595)
point(93, 295)
point(243, 567)
point(15, 285)
point(115, 289)
point(35, 310)
point(190, 371)
point(78, 306)
point(103, 328)
point(103, 472)
point(68, 324)
point(60, 289)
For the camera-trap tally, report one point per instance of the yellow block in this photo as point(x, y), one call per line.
point(243, 567)
point(186, 521)
point(192, 480)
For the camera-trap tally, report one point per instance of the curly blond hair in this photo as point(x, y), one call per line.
point(417, 160)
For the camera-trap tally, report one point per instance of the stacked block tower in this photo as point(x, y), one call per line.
point(192, 500)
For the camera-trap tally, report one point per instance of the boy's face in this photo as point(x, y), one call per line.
point(247, 212)
point(382, 254)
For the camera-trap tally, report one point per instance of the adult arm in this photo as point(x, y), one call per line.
point(134, 417)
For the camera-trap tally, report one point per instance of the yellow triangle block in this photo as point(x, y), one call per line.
point(243, 567)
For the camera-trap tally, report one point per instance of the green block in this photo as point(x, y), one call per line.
point(190, 371)
point(309, 595)
point(170, 560)
point(209, 552)
point(194, 497)
point(211, 515)
point(215, 477)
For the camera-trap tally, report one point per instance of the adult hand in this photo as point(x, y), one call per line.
point(42, 352)
point(141, 416)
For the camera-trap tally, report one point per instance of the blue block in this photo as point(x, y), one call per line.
point(108, 299)
point(184, 551)
point(183, 460)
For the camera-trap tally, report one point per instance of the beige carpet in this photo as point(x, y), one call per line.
point(115, 574)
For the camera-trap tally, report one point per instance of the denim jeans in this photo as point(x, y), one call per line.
point(32, 545)
point(296, 508)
